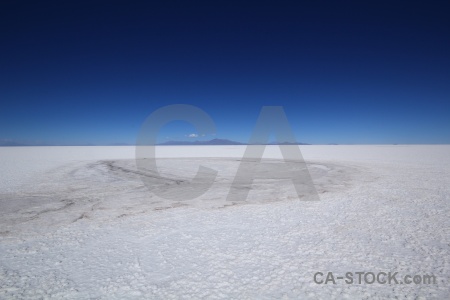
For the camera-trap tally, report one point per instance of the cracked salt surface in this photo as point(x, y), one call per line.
point(85, 226)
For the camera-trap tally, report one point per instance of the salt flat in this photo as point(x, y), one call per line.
point(77, 222)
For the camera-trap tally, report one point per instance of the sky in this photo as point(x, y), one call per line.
point(346, 72)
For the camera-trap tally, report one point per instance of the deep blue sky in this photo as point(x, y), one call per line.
point(74, 72)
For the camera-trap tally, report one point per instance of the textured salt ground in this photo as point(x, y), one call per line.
point(392, 216)
point(106, 189)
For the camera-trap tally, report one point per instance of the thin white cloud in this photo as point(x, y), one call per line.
point(193, 135)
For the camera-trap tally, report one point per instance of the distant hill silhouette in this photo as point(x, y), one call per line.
point(11, 143)
point(210, 142)
point(218, 142)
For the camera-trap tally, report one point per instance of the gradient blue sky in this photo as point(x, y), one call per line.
point(346, 72)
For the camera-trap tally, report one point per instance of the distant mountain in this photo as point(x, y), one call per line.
point(11, 143)
point(218, 142)
point(210, 142)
